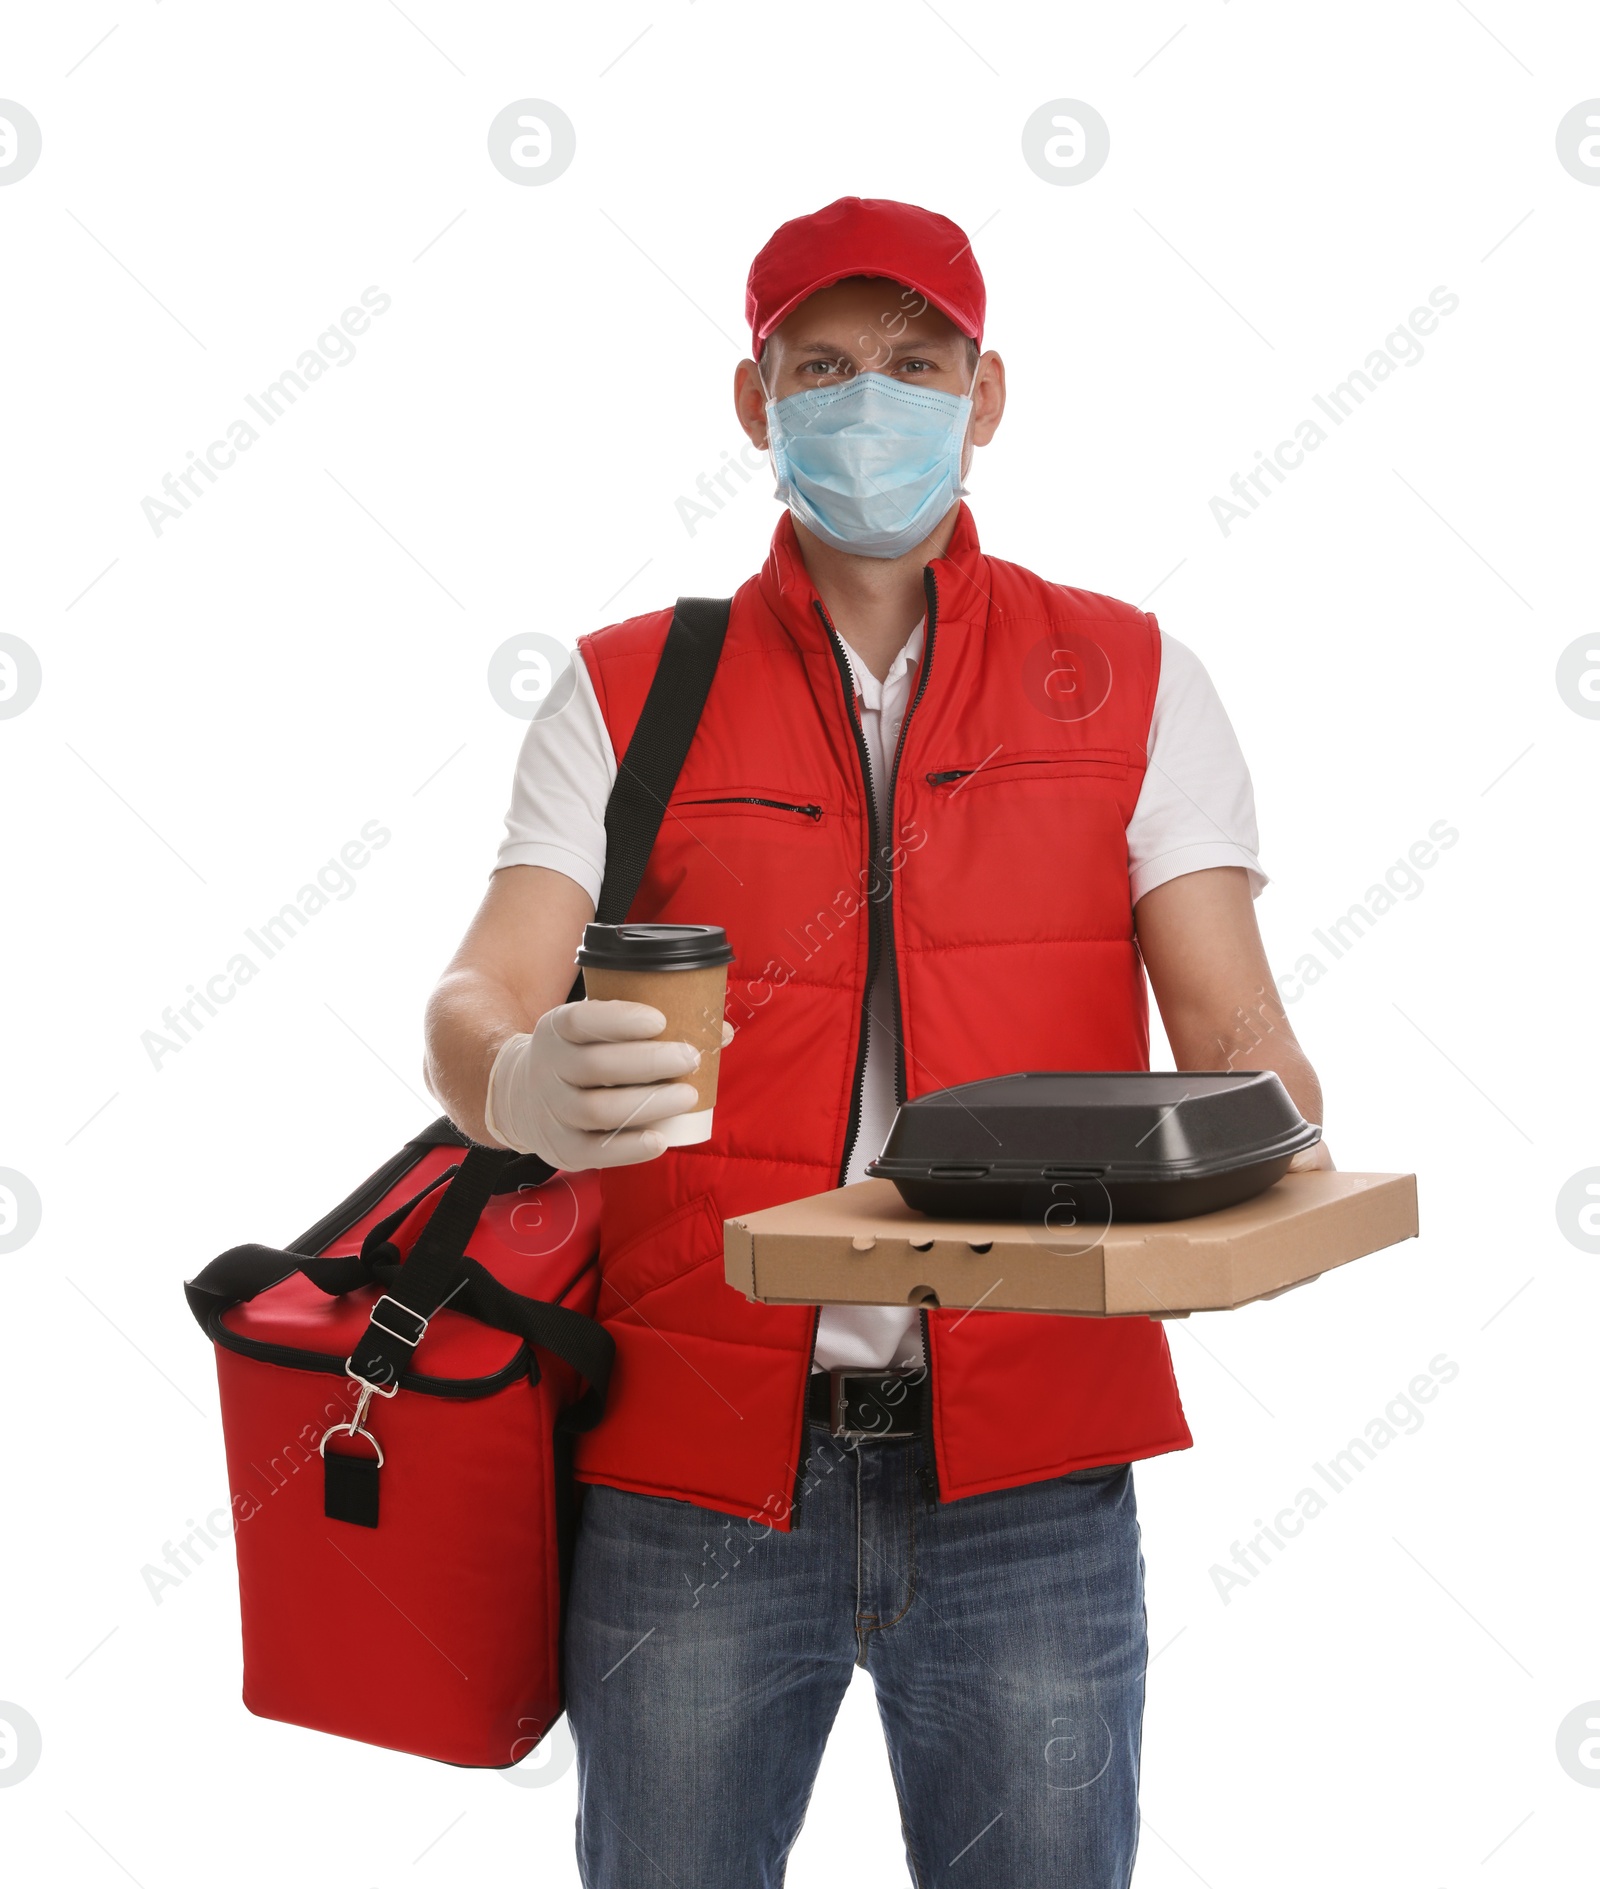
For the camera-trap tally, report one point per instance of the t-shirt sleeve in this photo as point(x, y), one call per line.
point(1197, 808)
point(565, 770)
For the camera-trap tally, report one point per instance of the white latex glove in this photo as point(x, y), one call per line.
point(583, 1087)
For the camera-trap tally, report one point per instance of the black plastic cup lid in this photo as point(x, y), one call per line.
point(654, 947)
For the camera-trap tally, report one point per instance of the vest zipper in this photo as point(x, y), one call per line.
point(880, 939)
point(930, 590)
point(853, 1122)
point(805, 1424)
point(874, 846)
point(880, 933)
point(754, 800)
point(928, 1468)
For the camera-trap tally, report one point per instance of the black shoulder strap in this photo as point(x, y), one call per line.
point(649, 769)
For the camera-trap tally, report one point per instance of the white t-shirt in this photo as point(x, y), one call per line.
point(1196, 809)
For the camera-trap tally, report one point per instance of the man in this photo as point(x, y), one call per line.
point(949, 815)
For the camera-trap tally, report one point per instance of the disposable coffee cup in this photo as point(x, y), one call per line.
point(683, 971)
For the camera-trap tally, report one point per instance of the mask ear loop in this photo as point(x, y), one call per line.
point(962, 488)
point(769, 401)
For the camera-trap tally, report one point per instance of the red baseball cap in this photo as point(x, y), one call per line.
point(865, 236)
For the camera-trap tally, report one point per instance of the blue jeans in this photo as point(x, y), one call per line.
point(1005, 1634)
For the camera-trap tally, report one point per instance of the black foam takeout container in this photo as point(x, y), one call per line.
point(1093, 1145)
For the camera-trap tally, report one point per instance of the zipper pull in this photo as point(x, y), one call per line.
point(949, 774)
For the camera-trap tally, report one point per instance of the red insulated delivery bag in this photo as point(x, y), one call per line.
point(399, 1392)
point(401, 1387)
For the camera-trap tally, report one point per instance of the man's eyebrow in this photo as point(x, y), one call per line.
point(925, 345)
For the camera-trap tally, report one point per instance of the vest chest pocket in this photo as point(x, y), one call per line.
point(1026, 844)
point(1028, 768)
point(789, 810)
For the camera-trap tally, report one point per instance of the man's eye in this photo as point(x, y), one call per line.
point(916, 367)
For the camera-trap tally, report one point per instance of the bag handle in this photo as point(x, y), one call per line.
point(437, 1271)
point(433, 1270)
point(435, 1274)
point(244, 1271)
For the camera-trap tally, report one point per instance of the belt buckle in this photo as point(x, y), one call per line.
point(837, 1406)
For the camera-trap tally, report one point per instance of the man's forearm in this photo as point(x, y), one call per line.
point(469, 1017)
point(514, 965)
point(1256, 1036)
point(1216, 993)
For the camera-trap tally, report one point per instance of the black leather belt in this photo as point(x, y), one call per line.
point(867, 1403)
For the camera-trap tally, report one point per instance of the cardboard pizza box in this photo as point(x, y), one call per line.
point(861, 1245)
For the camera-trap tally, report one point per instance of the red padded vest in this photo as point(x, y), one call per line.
point(1005, 911)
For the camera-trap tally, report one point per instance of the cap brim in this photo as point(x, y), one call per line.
point(827, 281)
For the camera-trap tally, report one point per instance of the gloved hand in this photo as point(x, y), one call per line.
point(583, 1087)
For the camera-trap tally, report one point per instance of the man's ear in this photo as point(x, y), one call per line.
point(750, 403)
point(988, 398)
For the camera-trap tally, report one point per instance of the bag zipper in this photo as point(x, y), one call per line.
point(754, 800)
point(523, 1362)
point(295, 1359)
point(356, 1206)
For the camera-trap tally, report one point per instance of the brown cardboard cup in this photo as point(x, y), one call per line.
point(692, 1003)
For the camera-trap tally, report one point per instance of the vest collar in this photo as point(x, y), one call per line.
point(786, 587)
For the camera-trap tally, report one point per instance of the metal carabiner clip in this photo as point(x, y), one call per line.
point(354, 1427)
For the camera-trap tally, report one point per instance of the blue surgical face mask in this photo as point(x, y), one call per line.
point(871, 464)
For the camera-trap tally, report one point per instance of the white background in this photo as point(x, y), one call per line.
point(224, 705)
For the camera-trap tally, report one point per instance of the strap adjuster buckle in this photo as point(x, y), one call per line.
point(411, 1338)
